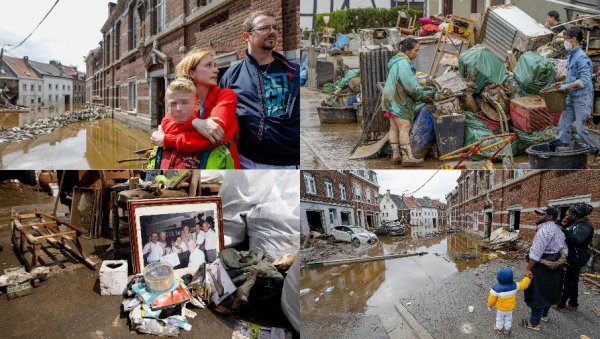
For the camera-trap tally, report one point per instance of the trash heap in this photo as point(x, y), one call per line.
point(157, 300)
point(47, 125)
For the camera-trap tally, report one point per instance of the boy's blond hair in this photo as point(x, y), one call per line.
point(189, 63)
point(181, 85)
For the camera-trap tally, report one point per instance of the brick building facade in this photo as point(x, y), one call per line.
point(486, 200)
point(143, 40)
point(330, 198)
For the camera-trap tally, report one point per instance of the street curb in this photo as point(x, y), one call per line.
point(412, 322)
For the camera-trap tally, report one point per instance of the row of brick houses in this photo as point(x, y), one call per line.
point(486, 200)
point(37, 85)
point(412, 211)
point(143, 40)
point(343, 197)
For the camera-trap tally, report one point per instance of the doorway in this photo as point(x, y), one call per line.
point(369, 221)
point(315, 220)
point(488, 224)
point(515, 220)
point(160, 99)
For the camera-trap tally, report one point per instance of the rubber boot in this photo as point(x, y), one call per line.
point(396, 154)
point(407, 158)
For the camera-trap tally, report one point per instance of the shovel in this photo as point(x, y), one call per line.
point(370, 149)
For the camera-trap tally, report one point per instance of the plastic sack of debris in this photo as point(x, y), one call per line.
point(534, 73)
point(290, 295)
point(269, 212)
point(503, 235)
point(480, 65)
point(476, 130)
point(422, 133)
point(527, 139)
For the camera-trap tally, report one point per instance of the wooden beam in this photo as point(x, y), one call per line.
point(317, 264)
point(73, 227)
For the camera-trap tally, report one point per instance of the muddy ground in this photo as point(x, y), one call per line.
point(419, 297)
point(328, 146)
point(69, 304)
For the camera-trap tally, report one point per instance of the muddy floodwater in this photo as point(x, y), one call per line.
point(374, 287)
point(82, 145)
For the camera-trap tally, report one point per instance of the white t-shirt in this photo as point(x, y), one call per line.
point(196, 258)
point(157, 251)
point(200, 237)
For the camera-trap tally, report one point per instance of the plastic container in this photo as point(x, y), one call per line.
point(54, 189)
point(159, 276)
point(494, 125)
point(541, 157)
point(336, 115)
point(530, 113)
point(555, 99)
point(449, 132)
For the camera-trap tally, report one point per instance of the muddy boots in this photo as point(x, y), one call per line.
point(396, 154)
point(407, 158)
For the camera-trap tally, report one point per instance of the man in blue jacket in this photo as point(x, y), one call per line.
point(580, 89)
point(268, 89)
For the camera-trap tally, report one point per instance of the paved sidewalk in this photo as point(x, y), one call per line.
point(442, 309)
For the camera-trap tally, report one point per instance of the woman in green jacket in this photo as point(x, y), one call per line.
point(403, 97)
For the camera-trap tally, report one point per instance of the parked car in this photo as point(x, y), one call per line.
point(372, 236)
point(355, 235)
point(390, 230)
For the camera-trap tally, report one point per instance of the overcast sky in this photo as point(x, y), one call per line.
point(399, 181)
point(67, 34)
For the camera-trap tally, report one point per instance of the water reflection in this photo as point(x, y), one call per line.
point(373, 287)
point(81, 145)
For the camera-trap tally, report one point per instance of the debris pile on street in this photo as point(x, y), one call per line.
point(47, 125)
point(495, 100)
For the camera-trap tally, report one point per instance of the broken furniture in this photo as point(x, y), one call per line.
point(460, 33)
point(328, 38)
point(30, 232)
point(121, 196)
point(506, 28)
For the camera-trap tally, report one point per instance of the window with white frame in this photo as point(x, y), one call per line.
point(132, 96)
point(160, 15)
point(368, 191)
point(328, 189)
point(342, 192)
point(309, 183)
point(24, 87)
point(357, 192)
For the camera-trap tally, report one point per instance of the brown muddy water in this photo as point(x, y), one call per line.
point(81, 145)
point(374, 287)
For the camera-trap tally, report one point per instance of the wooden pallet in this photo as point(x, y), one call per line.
point(30, 232)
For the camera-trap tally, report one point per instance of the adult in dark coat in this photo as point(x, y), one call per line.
point(578, 235)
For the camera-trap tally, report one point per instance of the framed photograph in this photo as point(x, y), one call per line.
point(185, 232)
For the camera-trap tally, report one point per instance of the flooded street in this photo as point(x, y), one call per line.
point(82, 145)
point(372, 288)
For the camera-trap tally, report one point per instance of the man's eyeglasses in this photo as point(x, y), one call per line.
point(266, 29)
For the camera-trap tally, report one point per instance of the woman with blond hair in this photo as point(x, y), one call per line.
point(207, 138)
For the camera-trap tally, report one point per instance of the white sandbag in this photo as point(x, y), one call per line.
point(290, 295)
point(268, 203)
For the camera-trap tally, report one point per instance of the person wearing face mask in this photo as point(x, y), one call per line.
point(580, 92)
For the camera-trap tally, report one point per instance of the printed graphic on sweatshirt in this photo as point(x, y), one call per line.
point(276, 86)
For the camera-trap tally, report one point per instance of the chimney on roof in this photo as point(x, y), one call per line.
point(111, 7)
point(26, 60)
point(387, 192)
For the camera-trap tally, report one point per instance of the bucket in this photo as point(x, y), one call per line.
point(541, 157)
point(53, 189)
point(556, 100)
point(449, 132)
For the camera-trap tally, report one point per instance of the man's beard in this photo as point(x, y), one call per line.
point(268, 46)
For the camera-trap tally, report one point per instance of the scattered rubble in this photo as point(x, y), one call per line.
point(47, 125)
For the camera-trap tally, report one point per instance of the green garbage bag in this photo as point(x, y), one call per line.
point(482, 66)
point(526, 139)
point(476, 130)
point(534, 73)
